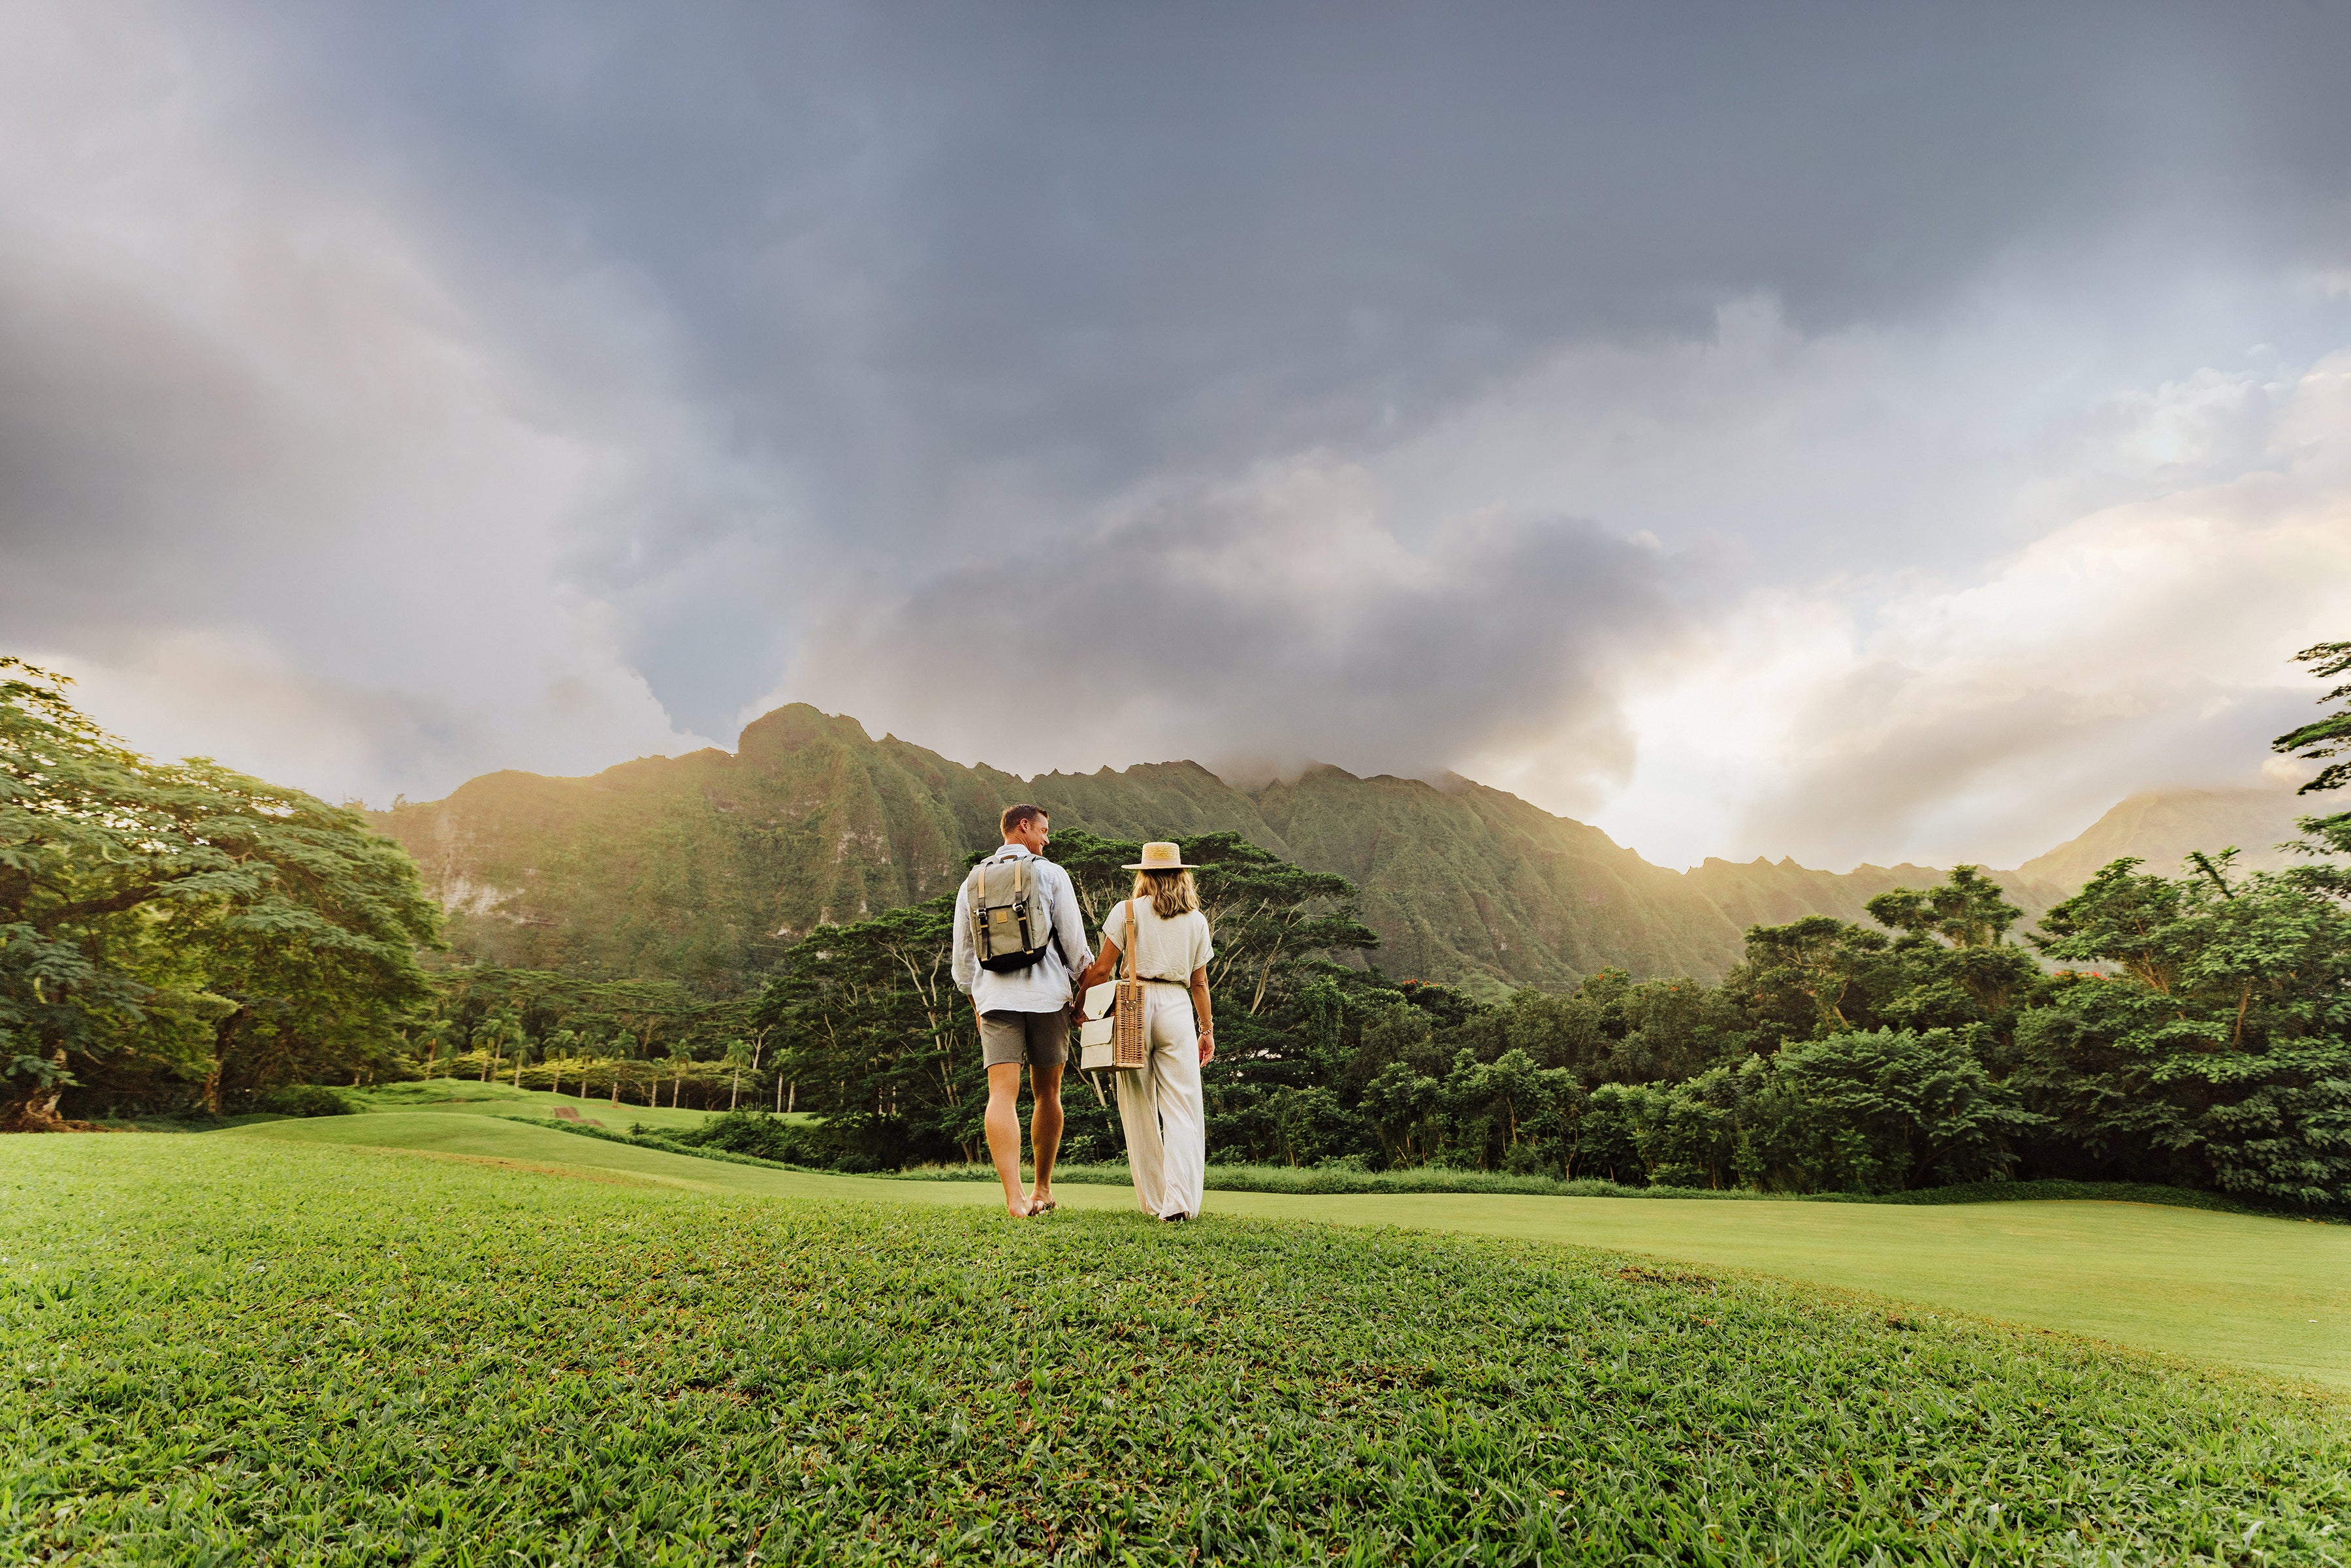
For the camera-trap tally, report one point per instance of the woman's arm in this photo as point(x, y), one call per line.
point(1200, 1011)
point(1104, 965)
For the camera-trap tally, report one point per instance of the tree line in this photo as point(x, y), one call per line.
point(177, 937)
point(2193, 1030)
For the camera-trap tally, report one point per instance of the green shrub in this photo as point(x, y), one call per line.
point(304, 1100)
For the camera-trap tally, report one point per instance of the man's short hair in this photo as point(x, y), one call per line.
point(1019, 816)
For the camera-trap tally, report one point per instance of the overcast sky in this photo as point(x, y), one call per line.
point(1855, 433)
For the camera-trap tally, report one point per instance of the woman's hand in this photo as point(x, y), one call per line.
point(1199, 990)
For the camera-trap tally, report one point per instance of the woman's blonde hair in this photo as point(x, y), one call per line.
point(1172, 892)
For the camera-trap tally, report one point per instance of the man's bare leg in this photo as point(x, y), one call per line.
point(1004, 1133)
point(1045, 1126)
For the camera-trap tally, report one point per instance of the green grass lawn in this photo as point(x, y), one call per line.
point(279, 1345)
point(2269, 1295)
point(466, 1096)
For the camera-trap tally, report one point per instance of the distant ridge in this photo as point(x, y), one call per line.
point(707, 867)
point(2161, 827)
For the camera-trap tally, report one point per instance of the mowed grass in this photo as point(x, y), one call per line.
point(468, 1096)
point(2239, 1290)
point(230, 1348)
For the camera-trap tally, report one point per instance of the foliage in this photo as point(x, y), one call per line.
point(177, 932)
point(623, 1041)
point(1881, 1112)
point(1336, 1177)
point(878, 1038)
point(833, 1143)
point(444, 1363)
point(2327, 737)
point(304, 1100)
point(2220, 1055)
point(1834, 1059)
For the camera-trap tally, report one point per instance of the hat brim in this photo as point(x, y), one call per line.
point(1178, 866)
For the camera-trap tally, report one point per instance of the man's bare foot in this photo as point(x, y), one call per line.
point(1043, 1203)
point(1019, 1207)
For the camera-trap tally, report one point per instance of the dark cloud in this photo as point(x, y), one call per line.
point(761, 339)
point(964, 270)
point(124, 437)
point(1259, 630)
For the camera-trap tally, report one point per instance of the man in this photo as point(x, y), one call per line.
point(1024, 1012)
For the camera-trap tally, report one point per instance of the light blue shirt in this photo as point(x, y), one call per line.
point(1044, 986)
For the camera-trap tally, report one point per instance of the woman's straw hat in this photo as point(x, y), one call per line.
point(1162, 857)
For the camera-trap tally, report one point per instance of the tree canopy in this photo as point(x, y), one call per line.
point(171, 931)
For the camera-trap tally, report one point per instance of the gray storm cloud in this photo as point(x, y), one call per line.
point(1258, 628)
point(539, 386)
point(953, 271)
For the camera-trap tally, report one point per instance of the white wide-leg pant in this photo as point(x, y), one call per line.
point(1160, 1107)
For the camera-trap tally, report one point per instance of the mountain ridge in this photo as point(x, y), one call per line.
point(705, 867)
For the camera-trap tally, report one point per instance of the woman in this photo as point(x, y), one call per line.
point(1159, 1104)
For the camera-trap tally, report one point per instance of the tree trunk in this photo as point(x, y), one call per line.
point(213, 1074)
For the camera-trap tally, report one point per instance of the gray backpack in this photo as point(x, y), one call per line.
point(1010, 927)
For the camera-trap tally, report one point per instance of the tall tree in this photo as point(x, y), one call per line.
point(2220, 1053)
point(169, 925)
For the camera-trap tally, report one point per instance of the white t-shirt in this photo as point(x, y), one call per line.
point(1164, 949)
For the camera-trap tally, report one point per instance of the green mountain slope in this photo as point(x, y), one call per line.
point(704, 868)
point(708, 866)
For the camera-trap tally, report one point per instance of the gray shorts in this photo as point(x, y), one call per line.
point(1038, 1040)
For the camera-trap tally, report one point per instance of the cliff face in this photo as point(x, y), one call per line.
point(704, 868)
point(698, 868)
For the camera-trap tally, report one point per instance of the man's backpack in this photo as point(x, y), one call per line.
point(1010, 927)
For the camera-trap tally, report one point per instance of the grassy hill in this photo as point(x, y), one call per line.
point(707, 867)
point(234, 1347)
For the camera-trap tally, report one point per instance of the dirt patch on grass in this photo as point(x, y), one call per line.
point(1641, 1274)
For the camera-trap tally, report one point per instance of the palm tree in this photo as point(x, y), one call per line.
point(736, 1052)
